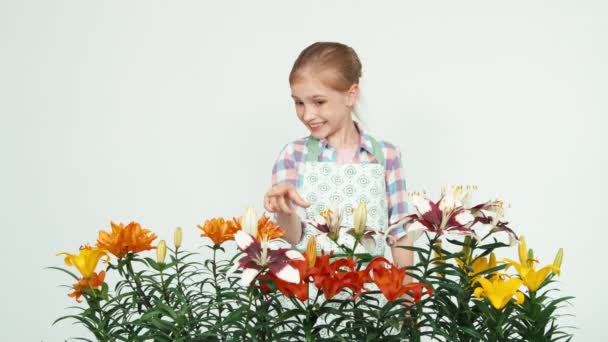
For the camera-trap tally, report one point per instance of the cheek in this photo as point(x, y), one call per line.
point(300, 112)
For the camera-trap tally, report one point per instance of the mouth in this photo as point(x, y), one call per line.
point(316, 126)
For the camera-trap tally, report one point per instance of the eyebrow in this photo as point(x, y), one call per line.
point(310, 97)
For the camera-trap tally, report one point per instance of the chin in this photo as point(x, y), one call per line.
point(319, 135)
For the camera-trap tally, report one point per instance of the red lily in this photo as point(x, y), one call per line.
point(299, 290)
point(390, 281)
point(333, 277)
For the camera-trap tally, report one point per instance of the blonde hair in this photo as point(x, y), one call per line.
point(337, 63)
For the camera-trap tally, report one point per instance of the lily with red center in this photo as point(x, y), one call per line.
point(265, 254)
point(491, 213)
point(429, 216)
point(329, 222)
point(299, 290)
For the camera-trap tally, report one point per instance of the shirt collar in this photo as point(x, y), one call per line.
point(364, 142)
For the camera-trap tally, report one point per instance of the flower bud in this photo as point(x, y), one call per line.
point(557, 262)
point(360, 219)
point(161, 252)
point(492, 262)
point(523, 251)
point(466, 250)
point(177, 237)
point(311, 251)
point(250, 222)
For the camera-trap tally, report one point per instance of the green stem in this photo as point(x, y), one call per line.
point(164, 287)
point(93, 302)
point(354, 247)
point(138, 287)
point(179, 282)
point(217, 292)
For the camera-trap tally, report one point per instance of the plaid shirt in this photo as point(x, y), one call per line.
point(293, 154)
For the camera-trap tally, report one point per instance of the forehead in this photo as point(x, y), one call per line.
point(309, 85)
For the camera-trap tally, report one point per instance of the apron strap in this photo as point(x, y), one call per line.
point(377, 151)
point(312, 146)
point(313, 149)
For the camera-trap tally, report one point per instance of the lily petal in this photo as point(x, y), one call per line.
point(289, 274)
point(248, 275)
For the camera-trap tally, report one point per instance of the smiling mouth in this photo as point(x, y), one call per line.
point(317, 125)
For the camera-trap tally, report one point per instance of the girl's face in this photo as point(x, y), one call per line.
point(323, 110)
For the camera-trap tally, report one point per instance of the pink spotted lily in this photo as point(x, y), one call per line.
point(452, 215)
point(265, 254)
point(329, 222)
point(441, 218)
point(491, 213)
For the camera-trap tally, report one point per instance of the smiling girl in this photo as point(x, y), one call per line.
point(339, 164)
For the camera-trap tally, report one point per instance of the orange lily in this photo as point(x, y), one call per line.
point(93, 282)
point(219, 230)
point(124, 239)
point(266, 229)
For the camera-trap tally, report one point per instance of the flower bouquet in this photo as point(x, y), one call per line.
point(255, 286)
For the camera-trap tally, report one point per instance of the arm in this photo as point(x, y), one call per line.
point(397, 206)
point(292, 226)
point(283, 194)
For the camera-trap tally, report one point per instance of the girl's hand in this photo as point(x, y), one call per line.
point(278, 199)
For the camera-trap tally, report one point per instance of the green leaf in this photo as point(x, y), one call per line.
point(64, 271)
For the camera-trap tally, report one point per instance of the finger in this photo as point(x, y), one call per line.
point(284, 206)
point(273, 204)
point(267, 204)
point(293, 194)
point(277, 190)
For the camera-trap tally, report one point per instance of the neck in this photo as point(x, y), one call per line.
point(346, 137)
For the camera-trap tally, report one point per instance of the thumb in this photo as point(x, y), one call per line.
point(293, 194)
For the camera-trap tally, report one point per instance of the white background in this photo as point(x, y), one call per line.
point(170, 113)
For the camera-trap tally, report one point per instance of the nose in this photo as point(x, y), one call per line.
point(308, 113)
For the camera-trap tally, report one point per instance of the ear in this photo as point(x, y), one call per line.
point(352, 95)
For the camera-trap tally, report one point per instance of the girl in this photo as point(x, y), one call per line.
point(338, 164)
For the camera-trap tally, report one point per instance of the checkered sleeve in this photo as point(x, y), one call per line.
point(395, 189)
point(284, 168)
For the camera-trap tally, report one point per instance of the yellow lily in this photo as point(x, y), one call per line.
point(86, 260)
point(439, 255)
point(480, 264)
point(526, 268)
point(499, 291)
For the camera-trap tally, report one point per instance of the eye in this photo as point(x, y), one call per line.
point(320, 102)
point(298, 103)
